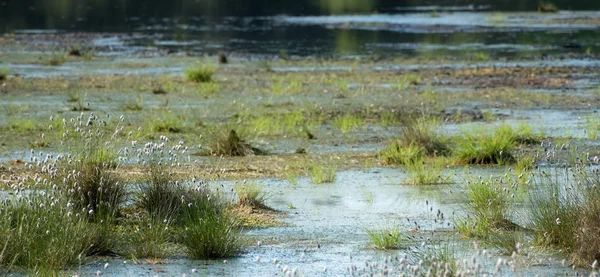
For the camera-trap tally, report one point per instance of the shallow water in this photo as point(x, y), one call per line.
point(327, 229)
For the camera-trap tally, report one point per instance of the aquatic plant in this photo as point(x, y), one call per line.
point(546, 7)
point(347, 122)
point(3, 74)
point(209, 88)
point(398, 153)
point(160, 195)
point(22, 124)
point(388, 118)
point(56, 59)
point(419, 131)
point(320, 173)
point(408, 80)
point(166, 122)
point(437, 258)
point(565, 213)
point(488, 210)
point(386, 237)
point(209, 230)
point(281, 124)
point(507, 243)
point(201, 73)
point(231, 144)
point(480, 147)
point(134, 104)
point(43, 232)
point(424, 174)
point(149, 239)
point(251, 194)
point(92, 184)
point(591, 127)
point(481, 56)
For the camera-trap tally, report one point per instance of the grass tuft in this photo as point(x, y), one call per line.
point(348, 122)
point(488, 210)
point(321, 174)
point(478, 147)
point(200, 73)
point(160, 195)
point(209, 231)
point(250, 194)
point(43, 233)
point(386, 237)
point(3, 74)
point(232, 145)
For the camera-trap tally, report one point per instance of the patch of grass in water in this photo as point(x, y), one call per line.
point(591, 127)
point(16, 109)
point(3, 74)
point(320, 173)
point(347, 122)
point(56, 59)
point(134, 104)
point(160, 195)
point(43, 233)
point(417, 138)
point(22, 124)
point(481, 56)
point(487, 211)
point(397, 153)
point(479, 147)
point(251, 194)
point(231, 144)
point(425, 174)
point(166, 122)
point(565, 214)
point(209, 88)
point(386, 237)
point(201, 73)
point(149, 239)
point(408, 80)
point(209, 231)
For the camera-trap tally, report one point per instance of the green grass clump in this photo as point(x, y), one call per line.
point(160, 195)
point(591, 127)
point(167, 122)
point(149, 239)
point(478, 147)
point(281, 124)
point(488, 210)
point(347, 122)
point(437, 259)
point(134, 104)
point(95, 186)
point(22, 124)
point(419, 131)
point(231, 144)
point(408, 80)
point(386, 237)
point(3, 74)
point(397, 153)
point(424, 174)
point(557, 214)
point(200, 73)
point(321, 174)
point(251, 194)
point(43, 232)
point(209, 231)
point(481, 56)
point(209, 88)
point(56, 59)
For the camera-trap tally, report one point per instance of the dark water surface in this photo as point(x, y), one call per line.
point(508, 28)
